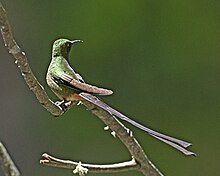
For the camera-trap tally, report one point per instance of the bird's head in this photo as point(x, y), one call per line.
point(62, 47)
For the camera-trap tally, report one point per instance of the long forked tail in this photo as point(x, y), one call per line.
point(175, 143)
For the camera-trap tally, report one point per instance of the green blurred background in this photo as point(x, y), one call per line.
point(161, 58)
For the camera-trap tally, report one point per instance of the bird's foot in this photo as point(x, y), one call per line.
point(63, 104)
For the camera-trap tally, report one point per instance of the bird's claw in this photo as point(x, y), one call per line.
point(63, 104)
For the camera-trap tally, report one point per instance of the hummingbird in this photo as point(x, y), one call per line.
point(68, 86)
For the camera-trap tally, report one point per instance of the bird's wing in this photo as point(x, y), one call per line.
point(81, 86)
point(176, 143)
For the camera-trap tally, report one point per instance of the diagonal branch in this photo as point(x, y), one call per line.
point(142, 163)
point(6, 163)
point(21, 61)
point(127, 138)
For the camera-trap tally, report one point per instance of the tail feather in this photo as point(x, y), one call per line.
point(175, 143)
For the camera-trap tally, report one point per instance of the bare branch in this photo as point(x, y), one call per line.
point(6, 163)
point(142, 163)
point(21, 61)
point(93, 168)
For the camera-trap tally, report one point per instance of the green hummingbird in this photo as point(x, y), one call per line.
point(70, 86)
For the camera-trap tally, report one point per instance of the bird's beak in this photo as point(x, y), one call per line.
point(75, 41)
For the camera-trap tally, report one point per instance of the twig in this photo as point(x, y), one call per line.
point(142, 163)
point(6, 163)
point(93, 168)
